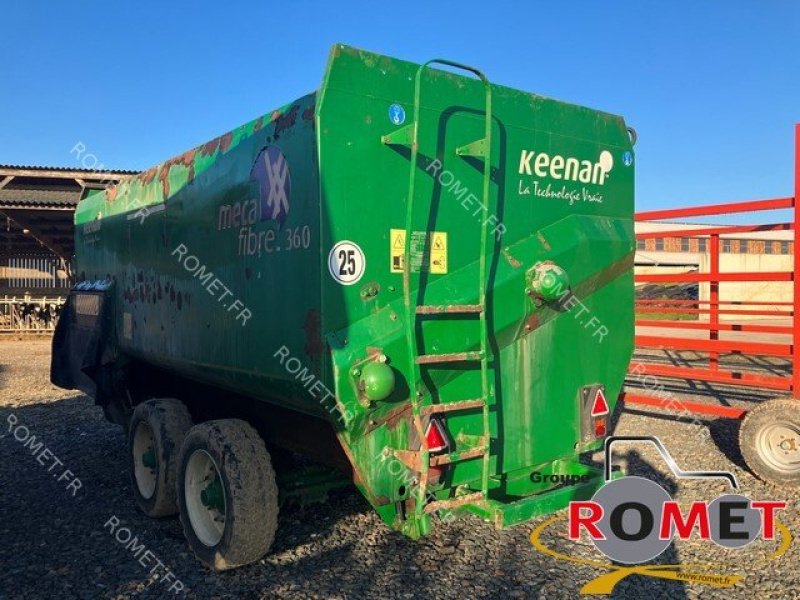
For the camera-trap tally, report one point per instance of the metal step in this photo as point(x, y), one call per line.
point(453, 406)
point(454, 502)
point(431, 359)
point(450, 309)
point(447, 459)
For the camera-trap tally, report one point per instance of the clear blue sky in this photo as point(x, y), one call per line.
point(713, 87)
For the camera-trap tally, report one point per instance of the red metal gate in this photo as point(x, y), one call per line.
point(713, 308)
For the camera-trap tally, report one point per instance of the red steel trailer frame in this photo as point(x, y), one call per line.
point(713, 307)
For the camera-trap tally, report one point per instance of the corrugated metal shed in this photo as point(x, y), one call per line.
point(64, 169)
point(33, 198)
point(37, 205)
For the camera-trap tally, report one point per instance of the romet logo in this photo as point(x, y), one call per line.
point(632, 520)
point(542, 164)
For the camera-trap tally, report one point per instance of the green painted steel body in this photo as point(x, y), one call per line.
point(278, 326)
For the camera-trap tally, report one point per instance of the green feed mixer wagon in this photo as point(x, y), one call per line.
point(420, 281)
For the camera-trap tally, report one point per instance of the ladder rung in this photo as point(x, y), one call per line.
point(453, 502)
point(446, 459)
point(453, 406)
point(428, 359)
point(449, 309)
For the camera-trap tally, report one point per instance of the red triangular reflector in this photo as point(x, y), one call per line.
point(435, 437)
point(600, 406)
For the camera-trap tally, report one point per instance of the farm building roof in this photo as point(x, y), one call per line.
point(37, 205)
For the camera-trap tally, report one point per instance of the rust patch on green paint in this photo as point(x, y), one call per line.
point(285, 121)
point(543, 240)
point(388, 64)
point(221, 143)
point(186, 159)
point(392, 418)
point(149, 176)
point(532, 323)
point(210, 147)
point(511, 260)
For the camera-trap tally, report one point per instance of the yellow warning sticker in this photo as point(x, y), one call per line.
point(397, 246)
point(439, 253)
point(428, 252)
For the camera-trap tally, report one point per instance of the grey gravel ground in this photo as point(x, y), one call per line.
point(54, 544)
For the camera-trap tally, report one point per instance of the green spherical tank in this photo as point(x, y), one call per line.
point(377, 381)
point(550, 281)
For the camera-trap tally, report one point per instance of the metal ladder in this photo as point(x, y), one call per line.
point(480, 148)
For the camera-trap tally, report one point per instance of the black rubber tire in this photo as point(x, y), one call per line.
point(782, 410)
point(250, 490)
point(169, 421)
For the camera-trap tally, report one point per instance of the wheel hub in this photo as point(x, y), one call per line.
point(204, 493)
point(145, 460)
point(212, 496)
point(779, 445)
point(149, 459)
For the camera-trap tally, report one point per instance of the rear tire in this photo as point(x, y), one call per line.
point(155, 436)
point(769, 439)
point(227, 494)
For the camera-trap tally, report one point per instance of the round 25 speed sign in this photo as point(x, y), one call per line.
point(346, 262)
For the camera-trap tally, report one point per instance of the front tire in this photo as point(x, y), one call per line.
point(227, 494)
point(155, 436)
point(769, 439)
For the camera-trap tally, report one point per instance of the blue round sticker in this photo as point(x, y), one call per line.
point(627, 159)
point(397, 114)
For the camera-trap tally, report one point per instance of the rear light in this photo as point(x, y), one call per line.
point(436, 437)
point(600, 427)
point(596, 410)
